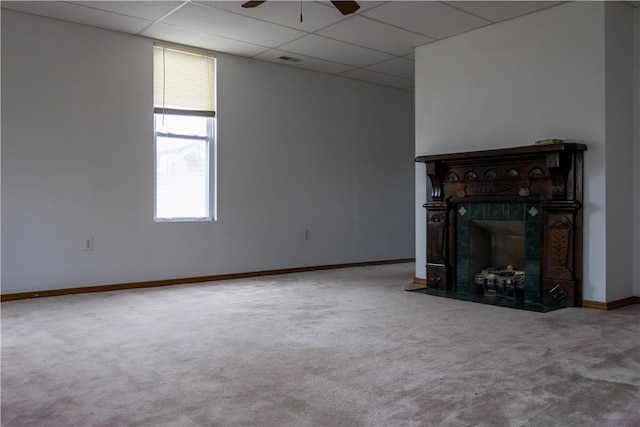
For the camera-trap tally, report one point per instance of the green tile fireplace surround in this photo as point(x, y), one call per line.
point(527, 212)
point(533, 192)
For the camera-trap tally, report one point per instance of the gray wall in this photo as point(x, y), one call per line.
point(636, 138)
point(545, 75)
point(619, 163)
point(296, 149)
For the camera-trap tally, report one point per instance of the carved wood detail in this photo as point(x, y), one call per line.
point(437, 276)
point(434, 173)
point(436, 231)
point(560, 259)
point(438, 245)
point(538, 172)
point(559, 238)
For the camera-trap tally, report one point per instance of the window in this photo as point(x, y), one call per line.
point(184, 129)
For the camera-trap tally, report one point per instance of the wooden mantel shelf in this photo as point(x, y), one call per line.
point(505, 152)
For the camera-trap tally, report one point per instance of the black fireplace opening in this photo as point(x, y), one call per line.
point(496, 258)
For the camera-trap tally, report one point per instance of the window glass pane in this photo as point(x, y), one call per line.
point(182, 178)
point(181, 125)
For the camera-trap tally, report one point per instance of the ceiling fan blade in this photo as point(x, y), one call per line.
point(253, 3)
point(345, 7)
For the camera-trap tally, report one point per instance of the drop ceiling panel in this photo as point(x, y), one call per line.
point(80, 14)
point(287, 13)
point(307, 63)
point(375, 35)
point(430, 18)
point(399, 67)
point(500, 10)
point(378, 78)
point(378, 39)
point(149, 10)
point(219, 22)
point(335, 51)
point(201, 40)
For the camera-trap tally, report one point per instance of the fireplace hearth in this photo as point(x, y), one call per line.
point(506, 224)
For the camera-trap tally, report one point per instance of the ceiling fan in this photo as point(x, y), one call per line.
point(345, 7)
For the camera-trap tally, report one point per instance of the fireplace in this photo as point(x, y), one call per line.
point(507, 223)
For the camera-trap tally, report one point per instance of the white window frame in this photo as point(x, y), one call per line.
point(162, 109)
point(211, 169)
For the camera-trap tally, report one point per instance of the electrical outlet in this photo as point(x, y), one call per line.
point(87, 243)
point(305, 234)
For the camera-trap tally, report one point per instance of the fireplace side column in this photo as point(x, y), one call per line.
point(561, 258)
point(437, 268)
point(438, 271)
point(561, 240)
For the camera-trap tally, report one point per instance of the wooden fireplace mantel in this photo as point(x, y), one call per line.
point(549, 175)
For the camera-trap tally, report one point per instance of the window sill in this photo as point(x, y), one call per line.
point(207, 219)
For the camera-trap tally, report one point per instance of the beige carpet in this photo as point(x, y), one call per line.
point(343, 347)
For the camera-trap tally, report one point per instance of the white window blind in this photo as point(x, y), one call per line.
point(183, 81)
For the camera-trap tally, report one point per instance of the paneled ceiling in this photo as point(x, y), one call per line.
point(375, 44)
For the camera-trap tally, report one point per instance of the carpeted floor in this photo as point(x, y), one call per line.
point(344, 347)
